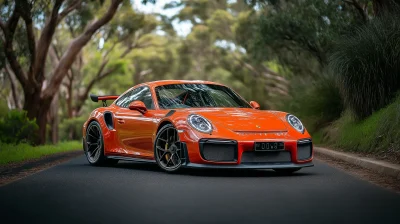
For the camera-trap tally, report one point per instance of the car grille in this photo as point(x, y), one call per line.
point(266, 157)
point(218, 150)
point(304, 149)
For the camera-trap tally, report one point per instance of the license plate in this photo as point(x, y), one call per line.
point(268, 146)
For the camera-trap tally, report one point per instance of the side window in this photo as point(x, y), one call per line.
point(147, 99)
point(122, 99)
point(141, 93)
point(130, 96)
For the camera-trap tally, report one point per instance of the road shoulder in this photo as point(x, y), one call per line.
point(379, 166)
point(15, 171)
point(382, 173)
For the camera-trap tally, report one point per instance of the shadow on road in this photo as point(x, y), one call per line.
point(210, 172)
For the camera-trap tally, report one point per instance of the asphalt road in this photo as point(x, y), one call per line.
point(75, 192)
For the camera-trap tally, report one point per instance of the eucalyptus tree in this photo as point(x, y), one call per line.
point(28, 32)
point(215, 49)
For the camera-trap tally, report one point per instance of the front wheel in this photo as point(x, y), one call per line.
point(166, 152)
point(287, 171)
point(94, 150)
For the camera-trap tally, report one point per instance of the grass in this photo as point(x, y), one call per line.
point(10, 153)
point(378, 134)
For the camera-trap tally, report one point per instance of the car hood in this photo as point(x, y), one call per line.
point(242, 119)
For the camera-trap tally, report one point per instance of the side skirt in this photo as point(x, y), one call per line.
point(131, 159)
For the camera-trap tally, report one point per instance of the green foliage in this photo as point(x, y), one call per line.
point(10, 153)
point(15, 127)
point(221, 23)
point(378, 133)
point(299, 33)
point(72, 126)
point(3, 109)
point(316, 102)
point(367, 63)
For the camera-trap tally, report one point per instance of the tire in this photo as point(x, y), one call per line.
point(287, 171)
point(166, 153)
point(94, 149)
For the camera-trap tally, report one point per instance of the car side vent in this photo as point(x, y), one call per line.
point(108, 118)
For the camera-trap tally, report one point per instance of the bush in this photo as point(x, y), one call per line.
point(315, 102)
point(15, 127)
point(3, 108)
point(71, 129)
point(368, 65)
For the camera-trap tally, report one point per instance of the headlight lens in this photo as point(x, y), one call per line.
point(200, 123)
point(295, 123)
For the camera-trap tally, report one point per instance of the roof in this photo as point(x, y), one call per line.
point(169, 82)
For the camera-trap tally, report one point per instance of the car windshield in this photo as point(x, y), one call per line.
point(197, 95)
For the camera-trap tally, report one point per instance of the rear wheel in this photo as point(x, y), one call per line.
point(166, 152)
point(95, 146)
point(287, 171)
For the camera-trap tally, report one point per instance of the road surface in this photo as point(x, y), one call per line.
point(75, 192)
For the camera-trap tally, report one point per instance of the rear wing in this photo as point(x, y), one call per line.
point(96, 98)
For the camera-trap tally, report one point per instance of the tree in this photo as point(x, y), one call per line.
point(31, 75)
point(382, 7)
point(216, 48)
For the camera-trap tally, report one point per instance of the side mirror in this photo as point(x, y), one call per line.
point(255, 105)
point(139, 106)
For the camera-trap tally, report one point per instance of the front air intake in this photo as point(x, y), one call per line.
point(218, 150)
point(266, 157)
point(304, 149)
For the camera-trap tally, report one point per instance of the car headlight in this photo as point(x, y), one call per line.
point(295, 123)
point(200, 123)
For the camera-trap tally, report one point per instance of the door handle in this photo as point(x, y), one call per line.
point(120, 121)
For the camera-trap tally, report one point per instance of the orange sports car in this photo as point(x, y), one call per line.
point(196, 124)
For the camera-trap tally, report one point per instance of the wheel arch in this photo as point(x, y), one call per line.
point(163, 123)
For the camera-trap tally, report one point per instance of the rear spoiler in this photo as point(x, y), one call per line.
point(96, 98)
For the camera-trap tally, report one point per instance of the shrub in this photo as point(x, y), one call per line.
point(3, 108)
point(71, 129)
point(367, 64)
point(15, 127)
point(315, 102)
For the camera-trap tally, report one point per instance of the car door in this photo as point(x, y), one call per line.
point(134, 129)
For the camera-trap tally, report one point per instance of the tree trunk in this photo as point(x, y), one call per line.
point(13, 87)
point(38, 109)
point(37, 102)
point(54, 119)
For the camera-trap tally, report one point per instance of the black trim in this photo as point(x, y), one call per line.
point(184, 154)
point(109, 120)
point(218, 141)
point(171, 112)
point(94, 98)
point(131, 159)
point(250, 166)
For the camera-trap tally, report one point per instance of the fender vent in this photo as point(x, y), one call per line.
point(108, 118)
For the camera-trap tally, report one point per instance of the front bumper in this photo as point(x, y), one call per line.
point(250, 166)
point(232, 154)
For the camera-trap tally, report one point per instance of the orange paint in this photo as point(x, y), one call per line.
point(135, 130)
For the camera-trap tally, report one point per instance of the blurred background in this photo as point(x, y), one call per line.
point(333, 63)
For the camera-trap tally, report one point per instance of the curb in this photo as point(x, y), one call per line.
point(378, 166)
